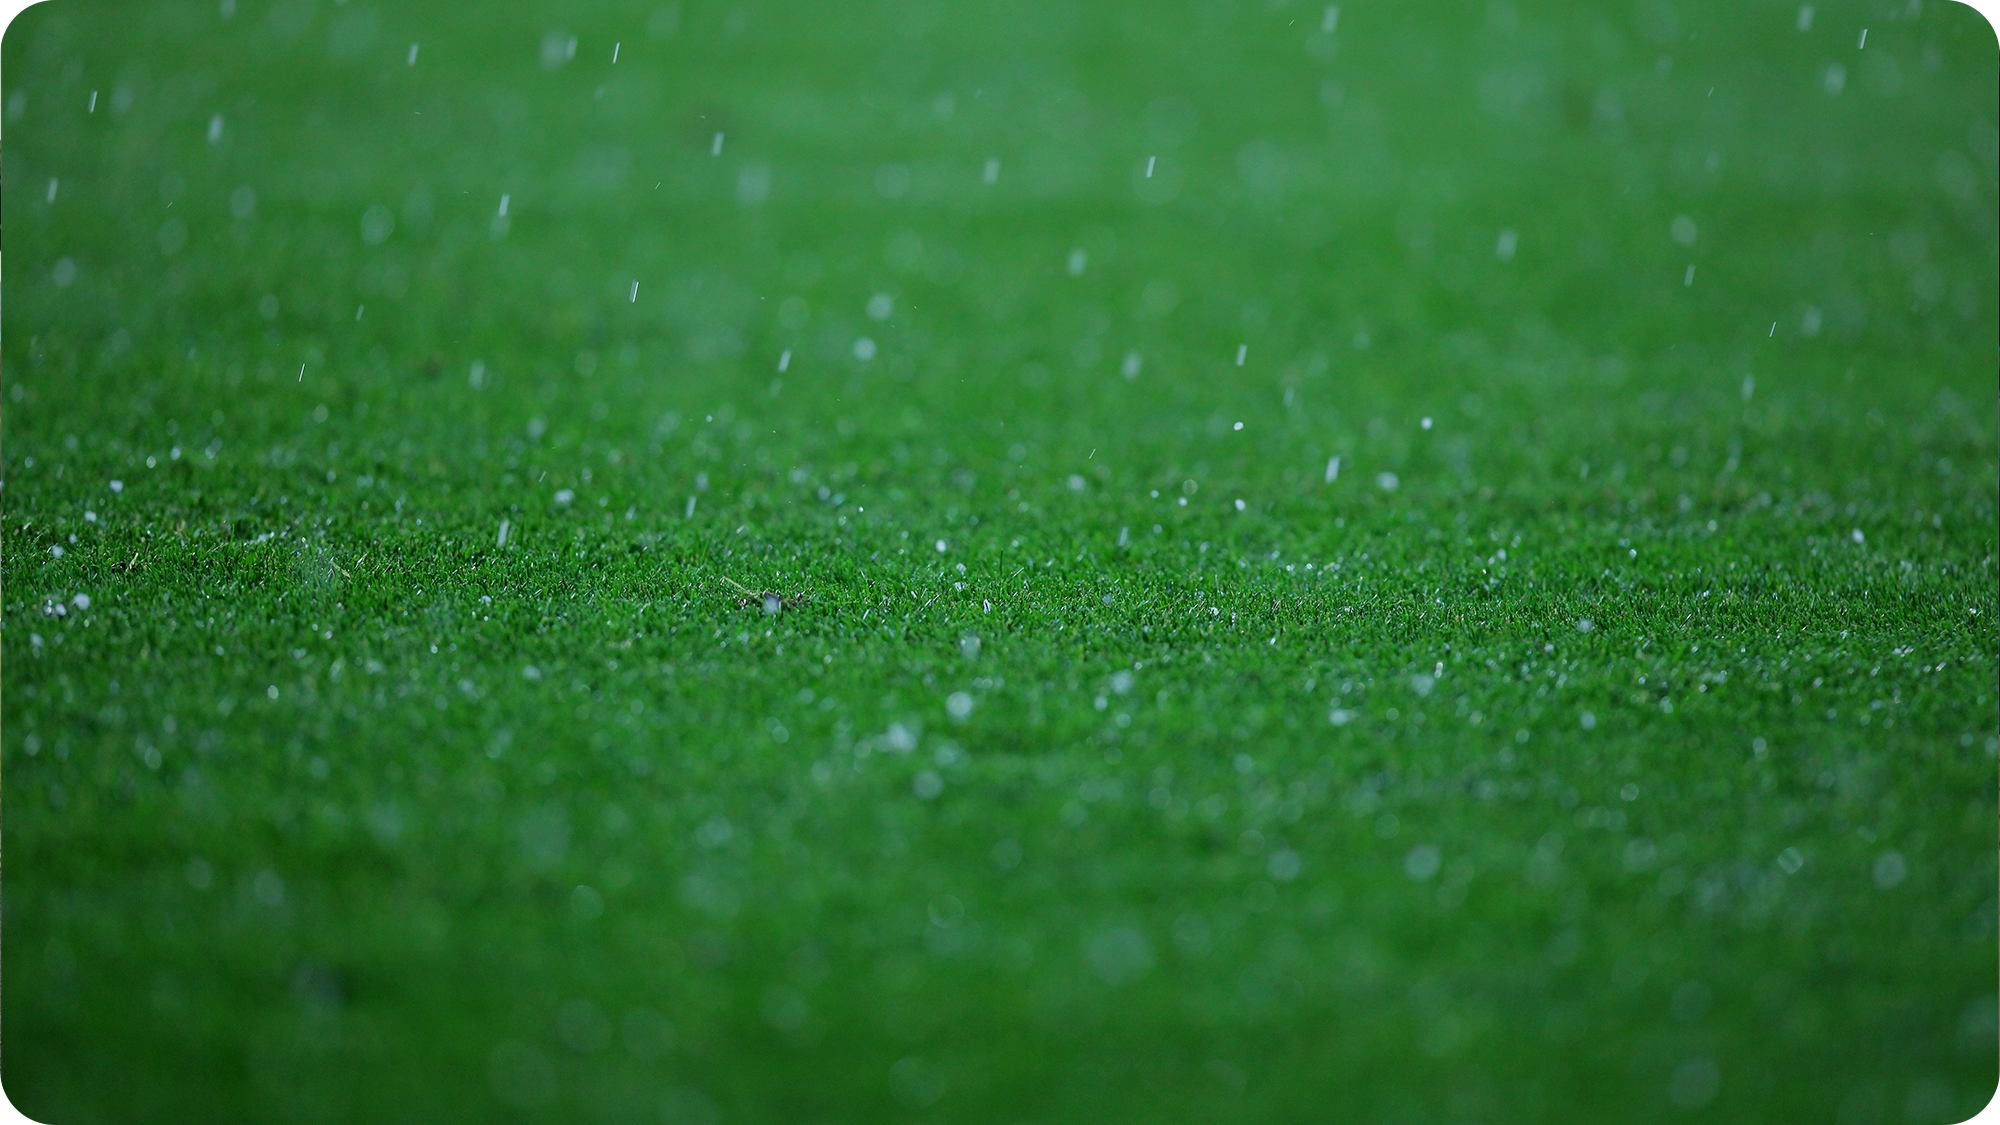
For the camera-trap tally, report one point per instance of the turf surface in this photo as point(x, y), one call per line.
point(487, 639)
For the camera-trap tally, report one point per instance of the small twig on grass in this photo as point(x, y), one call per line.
point(772, 601)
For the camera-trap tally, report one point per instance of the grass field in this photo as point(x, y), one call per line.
point(1016, 563)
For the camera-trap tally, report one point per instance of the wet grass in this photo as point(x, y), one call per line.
point(1336, 622)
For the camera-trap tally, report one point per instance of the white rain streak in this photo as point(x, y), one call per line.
point(614, 53)
point(1242, 353)
point(1150, 162)
point(477, 376)
point(1689, 279)
point(784, 360)
point(504, 200)
point(1130, 368)
point(635, 292)
point(413, 55)
point(1805, 17)
point(1508, 242)
point(1332, 469)
point(215, 129)
point(715, 146)
point(93, 102)
point(1078, 260)
point(504, 525)
point(690, 508)
point(52, 189)
point(1329, 21)
point(992, 173)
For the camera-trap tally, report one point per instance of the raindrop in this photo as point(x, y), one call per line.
point(377, 223)
point(647, 1034)
point(1890, 869)
point(1422, 862)
point(1694, 1084)
point(917, 1083)
point(892, 181)
point(1284, 865)
point(1121, 954)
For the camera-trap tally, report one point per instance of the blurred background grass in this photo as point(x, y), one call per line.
point(259, 250)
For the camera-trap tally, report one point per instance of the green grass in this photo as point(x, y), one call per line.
point(1613, 739)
